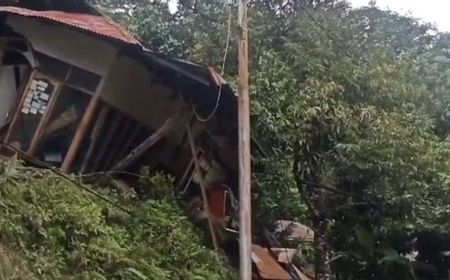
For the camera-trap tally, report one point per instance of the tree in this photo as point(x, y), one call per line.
point(353, 109)
point(365, 152)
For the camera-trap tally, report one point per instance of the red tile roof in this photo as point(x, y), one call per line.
point(99, 25)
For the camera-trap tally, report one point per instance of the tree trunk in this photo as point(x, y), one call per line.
point(322, 248)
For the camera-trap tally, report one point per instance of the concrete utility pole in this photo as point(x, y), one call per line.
point(245, 224)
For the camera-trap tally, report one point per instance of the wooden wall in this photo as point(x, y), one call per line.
point(66, 44)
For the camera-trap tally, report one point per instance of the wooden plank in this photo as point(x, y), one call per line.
point(131, 139)
point(95, 136)
point(106, 141)
point(186, 173)
point(145, 145)
point(119, 141)
point(83, 128)
point(65, 119)
point(203, 187)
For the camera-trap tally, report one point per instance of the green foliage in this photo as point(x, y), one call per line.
point(384, 261)
point(54, 230)
point(359, 128)
point(351, 107)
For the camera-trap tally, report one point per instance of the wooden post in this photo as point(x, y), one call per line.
point(202, 187)
point(82, 128)
point(245, 229)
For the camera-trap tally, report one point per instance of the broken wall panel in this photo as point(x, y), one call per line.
point(106, 145)
point(131, 88)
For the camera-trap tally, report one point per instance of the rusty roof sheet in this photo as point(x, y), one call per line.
point(105, 27)
point(268, 267)
point(99, 25)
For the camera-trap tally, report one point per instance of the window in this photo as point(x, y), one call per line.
point(35, 99)
point(63, 123)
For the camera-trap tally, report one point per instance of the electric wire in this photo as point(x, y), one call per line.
point(224, 60)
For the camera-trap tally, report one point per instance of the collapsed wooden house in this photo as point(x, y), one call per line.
point(81, 94)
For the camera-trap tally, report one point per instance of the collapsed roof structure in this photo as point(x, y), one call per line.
point(80, 93)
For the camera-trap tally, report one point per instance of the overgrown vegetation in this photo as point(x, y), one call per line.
point(50, 229)
point(352, 108)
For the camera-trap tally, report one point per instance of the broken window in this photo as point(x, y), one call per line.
point(34, 103)
point(63, 123)
point(51, 108)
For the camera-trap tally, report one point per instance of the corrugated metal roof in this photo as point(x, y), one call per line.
point(174, 68)
point(99, 25)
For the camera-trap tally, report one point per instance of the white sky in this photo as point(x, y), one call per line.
point(434, 11)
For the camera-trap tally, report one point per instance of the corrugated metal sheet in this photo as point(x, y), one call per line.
point(268, 267)
point(99, 25)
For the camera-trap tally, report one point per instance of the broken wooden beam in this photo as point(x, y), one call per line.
point(64, 120)
point(186, 174)
point(145, 145)
point(82, 129)
point(202, 187)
